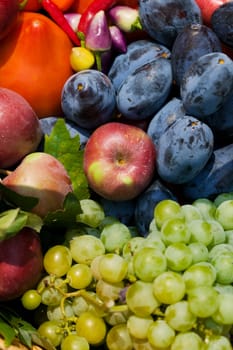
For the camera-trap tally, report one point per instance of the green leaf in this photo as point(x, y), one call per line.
point(66, 217)
point(67, 150)
point(14, 199)
point(7, 332)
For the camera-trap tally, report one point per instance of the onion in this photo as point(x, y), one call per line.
point(8, 15)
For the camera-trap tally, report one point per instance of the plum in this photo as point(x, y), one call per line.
point(20, 131)
point(21, 263)
point(42, 176)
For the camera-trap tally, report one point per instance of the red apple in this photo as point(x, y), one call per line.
point(20, 130)
point(42, 176)
point(119, 161)
point(21, 264)
point(207, 8)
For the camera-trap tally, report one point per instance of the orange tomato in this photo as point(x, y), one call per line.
point(35, 62)
point(79, 6)
point(35, 6)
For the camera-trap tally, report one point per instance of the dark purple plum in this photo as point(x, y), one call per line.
point(183, 150)
point(138, 53)
point(222, 23)
point(164, 19)
point(191, 43)
point(215, 178)
point(145, 91)
point(207, 84)
point(164, 118)
point(122, 210)
point(88, 99)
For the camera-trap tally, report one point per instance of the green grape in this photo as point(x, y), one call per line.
point(220, 249)
point(223, 288)
point(152, 240)
point(222, 197)
point(118, 338)
point(219, 235)
point(191, 212)
point(52, 289)
point(200, 231)
point(92, 213)
point(160, 334)
point(74, 342)
point(31, 299)
point(143, 344)
point(187, 341)
point(85, 248)
point(166, 209)
point(217, 342)
point(113, 268)
point(199, 252)
point(108, 291)
point(52, 331)
point(148, 263)
point(153, 228)
point(203, 301)
point(223, 264)
point(95, 267)
point(138, 326)
point(91, 327)
point(175, 230)
point(117, 317)
point(132, 246)
point(79, 305)
point(73, 232)
point(57, 260)
point(179, 256)
point(199, 274)
point(179, 316)
point(206, 207)
point(224, 313)
point(229, 237)
point(114, 236)
point(224, 214)
point(79, 276)
point(56, 313)
point(140, 299)
point(169, 287)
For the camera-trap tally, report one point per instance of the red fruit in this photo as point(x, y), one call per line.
point(21, 264)
point(119, 161)
point(8, 15)
point(208, 7)
point(42, 176)
point(20, 130)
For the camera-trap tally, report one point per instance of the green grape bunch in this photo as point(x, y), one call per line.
point(108, 288)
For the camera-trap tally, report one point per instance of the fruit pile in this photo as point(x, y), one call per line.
point(116, 162)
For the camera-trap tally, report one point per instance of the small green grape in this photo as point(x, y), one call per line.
point(31, 299)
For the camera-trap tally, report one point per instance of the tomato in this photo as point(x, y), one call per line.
point(35, 62)
point(35, 5)
point(80, 6)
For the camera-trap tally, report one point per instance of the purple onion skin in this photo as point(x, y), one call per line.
point(98, 37)
point(119, 42)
